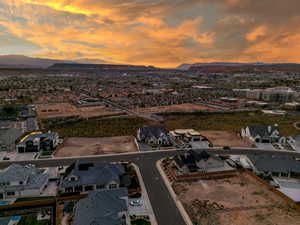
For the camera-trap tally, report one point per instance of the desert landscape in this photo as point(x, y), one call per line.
point(225, 138)
point(177, 108)
point(45, 111)
point(234, 199)
point(77, 146)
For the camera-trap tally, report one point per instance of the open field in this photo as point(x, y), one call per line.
point(235, 200)
point(177, 108)
point(225, 138)
point(45, 111)
point(99, 128)
point(231, 122)
point(96, 146)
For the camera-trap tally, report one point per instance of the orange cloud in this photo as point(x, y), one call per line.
point(258, 32)
point(158, 32)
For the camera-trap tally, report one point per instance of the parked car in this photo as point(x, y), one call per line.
point(135, 203)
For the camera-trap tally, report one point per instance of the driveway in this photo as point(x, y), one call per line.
point(265, 146)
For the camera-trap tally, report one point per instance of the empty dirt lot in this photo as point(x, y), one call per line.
point(96, 146)
point(236, 200)
point(225, 138)
point(66, 110)
point(178, 108)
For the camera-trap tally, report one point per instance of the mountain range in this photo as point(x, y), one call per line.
point(21, 61)
point(231, 64)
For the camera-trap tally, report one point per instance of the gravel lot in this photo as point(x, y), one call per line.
point(76, 146)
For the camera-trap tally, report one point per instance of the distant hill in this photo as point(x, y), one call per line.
point(20, 61)
point(238, 67)
point(99, 67)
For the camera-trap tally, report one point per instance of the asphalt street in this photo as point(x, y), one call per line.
point(163, 205)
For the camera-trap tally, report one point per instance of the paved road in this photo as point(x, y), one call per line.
point(163, 205)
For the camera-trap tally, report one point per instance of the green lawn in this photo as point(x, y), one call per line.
point(46, 153)
point(32, 220)
point(140, 222)
point(232, 122)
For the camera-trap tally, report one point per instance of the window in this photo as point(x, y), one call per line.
point(89, 188)
point(112, 186)
point(10, 193)
point(100, 186)
point(78, 188)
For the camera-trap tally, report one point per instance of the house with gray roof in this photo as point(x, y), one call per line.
point(106, 207)
point(153, 136)
point(193, 161)
point(8, 138)
point(22, 181)
point(83, 176)
point(294, 142)
point(263, 134)
point(277, 166)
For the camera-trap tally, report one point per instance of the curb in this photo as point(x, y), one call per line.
point(174, 196)
point(152, 217)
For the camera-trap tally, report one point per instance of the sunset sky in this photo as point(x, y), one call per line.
point(163, 33)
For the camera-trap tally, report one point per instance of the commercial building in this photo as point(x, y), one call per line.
point(276, 94)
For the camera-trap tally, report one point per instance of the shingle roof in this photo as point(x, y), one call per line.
point(29, 176)
point(97, 173)
point(275, 163)
point(101, 208)
point(150, 131)
point(262, 131)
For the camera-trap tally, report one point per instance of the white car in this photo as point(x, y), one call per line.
point(135, 203)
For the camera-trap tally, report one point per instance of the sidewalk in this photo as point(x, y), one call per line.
point(174, 196)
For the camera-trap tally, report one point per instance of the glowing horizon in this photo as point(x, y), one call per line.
point(162, 33)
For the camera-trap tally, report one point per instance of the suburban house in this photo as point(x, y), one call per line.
point(294, 142)
point(22, 181)
point(193, 161)
point(38, 141)
point(186, 134)
point(277, 166)
point(153, 136)
point(106, 207)
point(8, 138)
point(263, 134)
point(83, 176)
